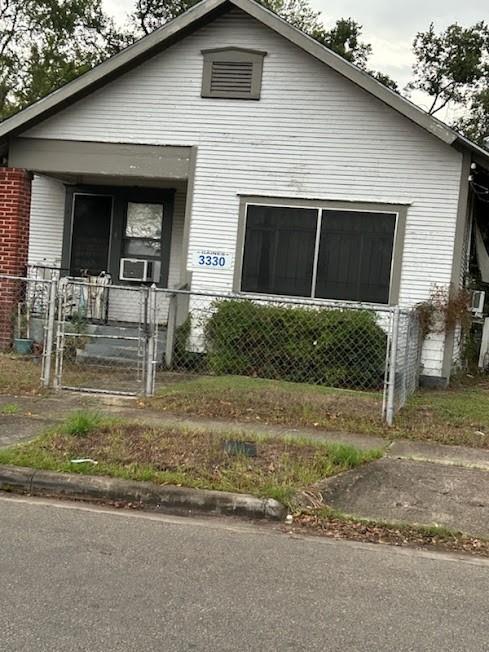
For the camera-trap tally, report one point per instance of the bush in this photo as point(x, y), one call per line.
point(338, 348)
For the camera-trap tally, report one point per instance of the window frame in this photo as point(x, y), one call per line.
point(126, 239)
point(397, 209)
point(255, 57)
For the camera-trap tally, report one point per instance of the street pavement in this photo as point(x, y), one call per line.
point(76, 577)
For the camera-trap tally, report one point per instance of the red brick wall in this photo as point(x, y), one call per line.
point(15, 204)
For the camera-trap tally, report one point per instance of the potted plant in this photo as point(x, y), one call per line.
point(23, 342)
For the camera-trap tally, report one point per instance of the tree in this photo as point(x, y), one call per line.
point(148, 15)
point(46, 43)
point(475, 124)
point(344, 37)
point(451, 65)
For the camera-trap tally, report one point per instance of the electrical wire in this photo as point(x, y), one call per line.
point(481, 192)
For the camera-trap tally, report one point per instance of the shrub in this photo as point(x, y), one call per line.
point(339, 348)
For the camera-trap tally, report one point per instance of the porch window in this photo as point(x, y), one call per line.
point(142, 237)
point(319, 252)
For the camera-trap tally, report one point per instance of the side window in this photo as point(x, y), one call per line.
point(279, 250)
point(355, 256)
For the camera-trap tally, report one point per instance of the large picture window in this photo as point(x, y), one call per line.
point(326, 253)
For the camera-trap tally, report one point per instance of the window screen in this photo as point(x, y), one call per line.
point(355, 255)
point(91, 233)
point(279, 250)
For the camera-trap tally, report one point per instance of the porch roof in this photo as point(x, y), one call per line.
point(66, 159)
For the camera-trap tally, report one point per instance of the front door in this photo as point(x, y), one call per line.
point(123, 231)
point(146, 217)
point(90, 237)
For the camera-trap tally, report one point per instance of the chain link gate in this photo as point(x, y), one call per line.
point(97, 348)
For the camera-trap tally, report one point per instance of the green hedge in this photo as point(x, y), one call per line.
point(338, 348)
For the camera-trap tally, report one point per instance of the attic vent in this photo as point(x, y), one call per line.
point(232, 73)
point(231, 77)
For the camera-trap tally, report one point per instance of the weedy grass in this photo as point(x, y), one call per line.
point(9, 409)
point(19, 376)
point(186, 457)
point(459, 415)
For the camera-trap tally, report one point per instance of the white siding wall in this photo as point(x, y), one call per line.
point(47, 219)
point(312, 134)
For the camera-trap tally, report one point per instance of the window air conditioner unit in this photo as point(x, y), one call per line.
point(478, 300)
point(138, 269)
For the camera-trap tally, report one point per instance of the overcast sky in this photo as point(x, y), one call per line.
point(388, 25)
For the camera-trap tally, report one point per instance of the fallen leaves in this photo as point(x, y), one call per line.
point(371, 532)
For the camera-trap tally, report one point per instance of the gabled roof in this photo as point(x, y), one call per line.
point(191, 20)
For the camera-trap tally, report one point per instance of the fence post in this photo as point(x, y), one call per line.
point(150, 349)
point(49, 335)
point(171, 330)
point(390, 410)
point(60, 335)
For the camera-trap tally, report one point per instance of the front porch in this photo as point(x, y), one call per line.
point(107, 213)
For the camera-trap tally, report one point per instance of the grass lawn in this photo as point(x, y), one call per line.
point(190, 458)
point(455, 416)
point(257, 400)
point(19, 375)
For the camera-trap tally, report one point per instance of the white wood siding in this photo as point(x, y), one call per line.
point(47, 219)
point(312, 134)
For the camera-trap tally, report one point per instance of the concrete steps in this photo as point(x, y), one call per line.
point(106, 343)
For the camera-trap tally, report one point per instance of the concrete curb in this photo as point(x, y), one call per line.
point(164, 498)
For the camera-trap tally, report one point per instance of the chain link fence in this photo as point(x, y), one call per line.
point(94, 336)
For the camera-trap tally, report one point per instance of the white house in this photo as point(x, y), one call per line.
point(230, 149)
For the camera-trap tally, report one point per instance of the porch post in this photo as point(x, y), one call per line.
point(15, 204)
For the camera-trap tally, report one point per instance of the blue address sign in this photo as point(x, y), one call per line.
point(211, 259)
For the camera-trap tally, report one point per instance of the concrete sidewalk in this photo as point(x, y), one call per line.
point(415, 482)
